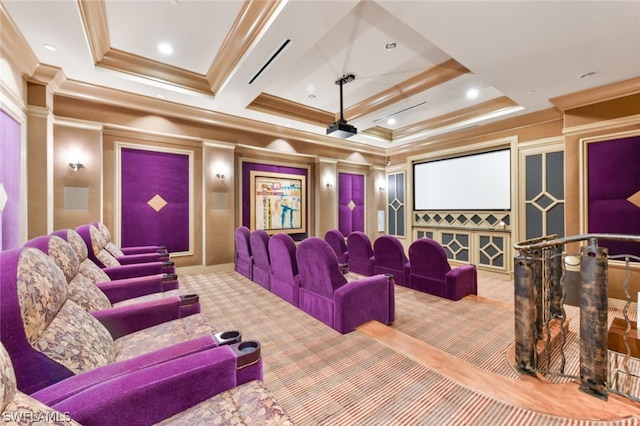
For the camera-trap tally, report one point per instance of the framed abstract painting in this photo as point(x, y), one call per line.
point(278, 202)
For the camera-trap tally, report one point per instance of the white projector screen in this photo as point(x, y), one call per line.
point(473, 182)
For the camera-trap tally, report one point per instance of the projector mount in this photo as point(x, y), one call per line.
point(346, 78)
point(340, 128)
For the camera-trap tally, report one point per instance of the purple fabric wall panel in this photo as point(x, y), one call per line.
point(350, 203)
point(247, 168)
point(146, 174)
point(10, 182)
point(613, 178)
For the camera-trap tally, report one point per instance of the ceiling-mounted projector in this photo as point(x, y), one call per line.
point(341, 128)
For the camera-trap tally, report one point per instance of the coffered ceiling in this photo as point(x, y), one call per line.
point(276, 62)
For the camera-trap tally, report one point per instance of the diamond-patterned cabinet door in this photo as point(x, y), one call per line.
point(544, 194)
point(396, 204)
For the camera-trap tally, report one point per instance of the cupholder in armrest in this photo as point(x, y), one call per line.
point(189, 299)
point(167, 263)
point(344, 268)
point(228, 337)
point(169, 277)
point(247, 352)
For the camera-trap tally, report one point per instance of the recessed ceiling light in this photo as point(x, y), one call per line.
point(390, 45)
point(312, 96)
point(391, 121)
point(165, 48)
point(589, 74)
point(472, 93)
point(160, 95)
point(49, 47)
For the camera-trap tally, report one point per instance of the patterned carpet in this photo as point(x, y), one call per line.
point(324, 378)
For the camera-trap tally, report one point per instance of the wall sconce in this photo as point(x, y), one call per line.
point(220, 176)
point(76, 166)
point(329, 185)
point(381, 188)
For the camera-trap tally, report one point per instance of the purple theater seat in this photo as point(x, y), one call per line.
point(190, 387)
point(361, 258)
point(285, 281)
point(431, 272)
point(96, 243)
point(119, 283)
point(390, 259)
point(157, 251)
point(49, 337)
point(244, 258)
point(326, 295)
point(259, 240)
point(337, 242)
point(86, 293)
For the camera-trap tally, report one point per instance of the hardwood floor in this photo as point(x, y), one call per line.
point(564, 400)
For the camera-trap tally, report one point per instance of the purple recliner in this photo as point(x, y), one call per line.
point(194, 388)
point(326, 295)
point(244, 257)
point(259, 240)
point(390, 259)
point(361, 258)
point(97, 252)
point(50, 338)
point(336, 240)
point(119, 283)
point(431, 272)
point(284, 268)
point(111, 247)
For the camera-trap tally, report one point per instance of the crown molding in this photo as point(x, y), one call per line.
point(275, 105)
point(421, 82)
point(599, 94)
point(94, 20)
point(14, 46)
point(252, 19)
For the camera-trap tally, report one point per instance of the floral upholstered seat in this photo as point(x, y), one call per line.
point(50, 337)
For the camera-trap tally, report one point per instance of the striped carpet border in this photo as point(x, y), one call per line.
point(322, 377)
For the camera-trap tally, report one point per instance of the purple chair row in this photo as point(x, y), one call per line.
point(65, 348)
point(426, 268)
point(309, 278)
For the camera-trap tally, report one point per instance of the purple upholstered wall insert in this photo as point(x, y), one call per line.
point(247, 168)
point(613, 177)
point(350, 188)
point(10, 182)
point(146, 174)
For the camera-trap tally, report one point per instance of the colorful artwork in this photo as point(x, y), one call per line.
point(278, 203)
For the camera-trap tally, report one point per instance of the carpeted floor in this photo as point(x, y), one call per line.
point(324, 378)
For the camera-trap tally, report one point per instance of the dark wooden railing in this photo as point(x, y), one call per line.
point(541, 318)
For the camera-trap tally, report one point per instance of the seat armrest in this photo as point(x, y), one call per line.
point(462, 281)
point(127, 319)
point(128, 288)
point(360, 301)
point(132, 271)
point(144, 249)
point(149, 395)
point(72, 385)
point(141, 258)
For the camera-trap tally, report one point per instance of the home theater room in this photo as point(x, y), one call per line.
point(312, 212)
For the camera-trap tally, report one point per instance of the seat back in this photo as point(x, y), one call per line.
point(390, 257)
point(106, 235)
point(244, 258)
point(96, 243)
point(284, 268)
point(360, 253)
point(336, 240)
point(259, 240)
point(80, 288)
point(428, 259)
point(48, 337)
point(87, 267)
point(318, 268)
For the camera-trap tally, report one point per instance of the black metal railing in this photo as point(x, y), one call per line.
point(541, 319)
